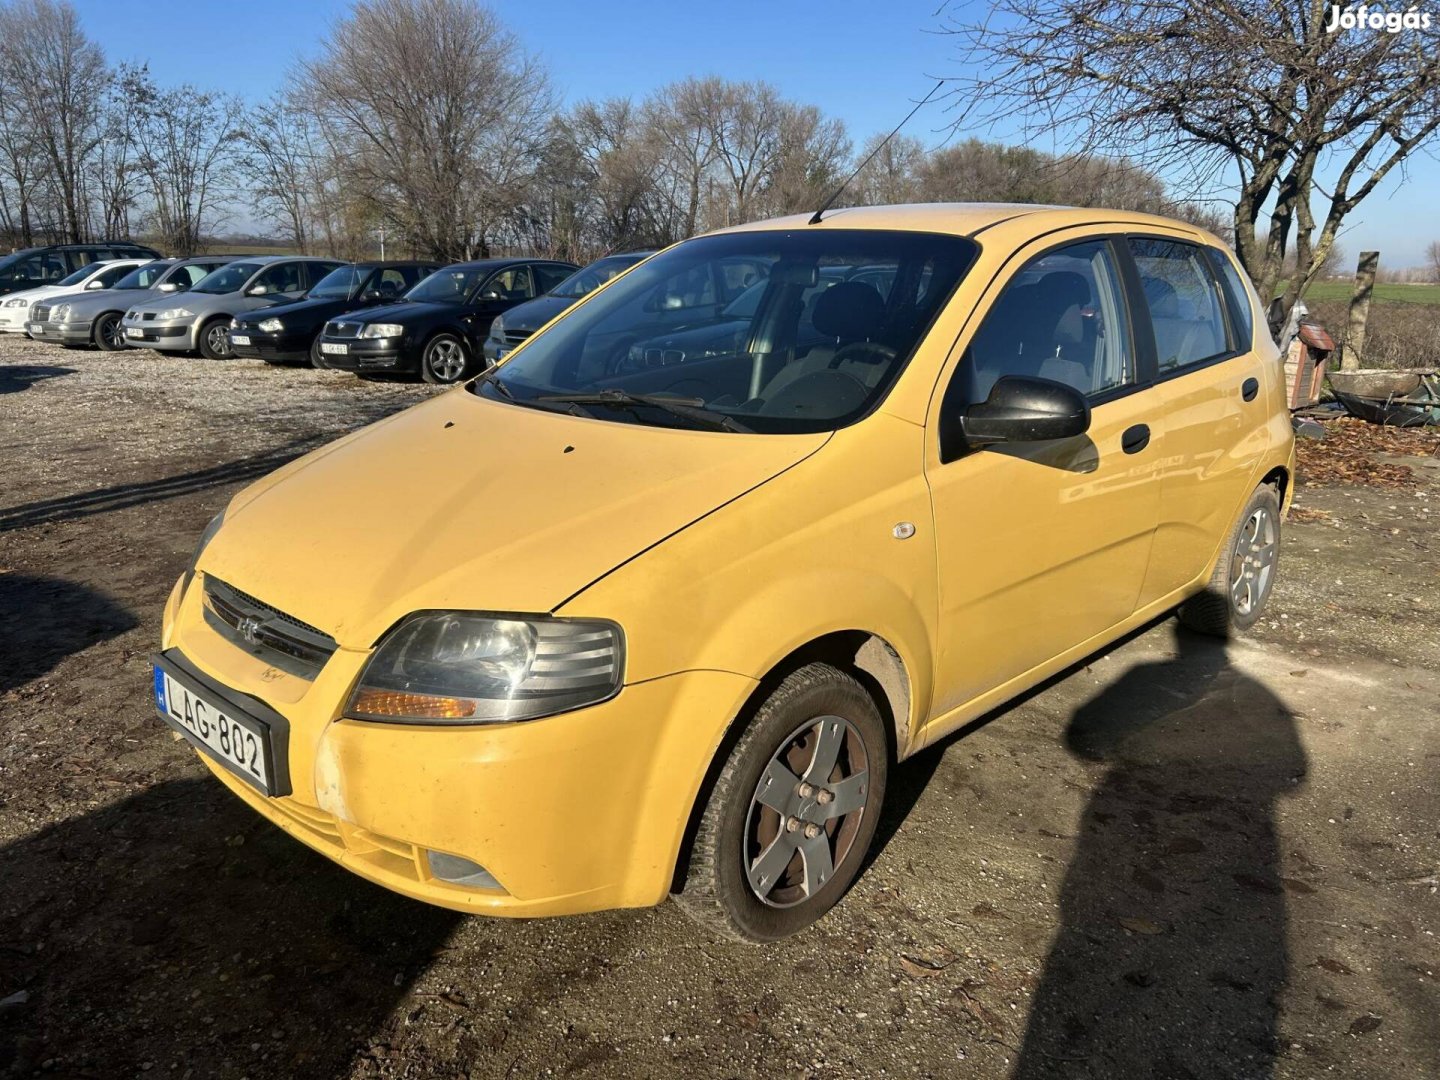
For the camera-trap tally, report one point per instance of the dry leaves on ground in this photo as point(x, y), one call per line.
point(1347, 454)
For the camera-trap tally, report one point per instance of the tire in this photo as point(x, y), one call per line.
point(445, 360)
point(107, 333)
point(741, 824)
point(1244, 574)
point(214, 339)
point(317, 358)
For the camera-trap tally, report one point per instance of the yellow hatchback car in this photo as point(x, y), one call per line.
point(655, 605)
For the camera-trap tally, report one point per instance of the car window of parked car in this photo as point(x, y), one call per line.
point(583, 282)
point(79, 275)
point(39, 270)
point(448, 286)
point(315, 272)
point(512, 283)
point(737, 275)
point(142, 277)
point(340, 284)
point(790, 365)
point(194, 273)
point(282, 277)
point(228, 278)
point(1182, 300)
point(1061, 317)
point(549, 278)
point(1237, 298)
point(110, 275)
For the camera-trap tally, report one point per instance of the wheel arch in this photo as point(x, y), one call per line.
point(1279, 479)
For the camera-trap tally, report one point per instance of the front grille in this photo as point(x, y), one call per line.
point(342, 329)
point(515, 337)
point(267, 631)
point(40, 313)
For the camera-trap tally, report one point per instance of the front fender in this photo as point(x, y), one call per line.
point(811, 552)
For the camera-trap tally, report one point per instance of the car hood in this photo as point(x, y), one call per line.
point(400, 311)
point(39, 292)
point(103, 299)
point(200, 303)
point(464, 503)
point(534, 314)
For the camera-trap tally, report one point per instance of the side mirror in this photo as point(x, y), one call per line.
point(256, 290)
point(1025, 409)
point(490, 294)
point(96, 284)
point(169, 287)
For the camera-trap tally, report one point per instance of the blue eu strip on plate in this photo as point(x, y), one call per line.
point(160, 702)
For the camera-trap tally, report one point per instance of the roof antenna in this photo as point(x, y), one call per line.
point(815, 219)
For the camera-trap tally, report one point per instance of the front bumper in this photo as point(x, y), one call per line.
point(168, 336)
point(577, 812)
point(286, 347)
point(368, 354)
point(69, 333)
point(14, 320)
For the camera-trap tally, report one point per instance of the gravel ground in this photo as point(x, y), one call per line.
point(1177, 860)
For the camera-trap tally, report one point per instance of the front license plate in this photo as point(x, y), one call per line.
point(36, 327)
point(239, 339)
point(134, 331)
point(240, 743)
point(334, 349)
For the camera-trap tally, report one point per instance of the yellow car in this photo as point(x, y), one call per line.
point(655, 605)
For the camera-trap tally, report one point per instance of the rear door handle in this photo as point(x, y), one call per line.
point(1135, 439)
point(1249, 388)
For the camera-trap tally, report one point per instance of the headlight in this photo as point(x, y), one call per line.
point(271, 326)
point(383, 329)
point(497, 328)
point(174, 313)
point(17, 302)
point(459, 668)
point(60, 312)
point(205, 538)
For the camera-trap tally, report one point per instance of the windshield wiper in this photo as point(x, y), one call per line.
point(491, 378)
point(689, 408)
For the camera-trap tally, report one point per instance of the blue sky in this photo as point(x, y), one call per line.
point(863, 62)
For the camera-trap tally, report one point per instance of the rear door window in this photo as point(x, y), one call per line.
point(285, 277)
point(512, 283)
point(547, 277)
point(1182, 299)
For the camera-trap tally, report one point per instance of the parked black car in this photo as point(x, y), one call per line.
point(517, 324)
point(290, 332)
point(34, 266)
point(437, 331)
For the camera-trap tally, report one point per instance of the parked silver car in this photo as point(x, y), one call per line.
point(200, 318)
point(93, 318)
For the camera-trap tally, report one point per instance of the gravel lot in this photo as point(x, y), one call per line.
point(1178, 860)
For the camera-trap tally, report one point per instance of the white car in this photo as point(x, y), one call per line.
point(15, 308)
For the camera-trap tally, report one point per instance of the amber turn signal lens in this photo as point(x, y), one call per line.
point(397, 703)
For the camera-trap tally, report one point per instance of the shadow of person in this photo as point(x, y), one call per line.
point(17, 377)
point(178, 928)
point(1171, 950)
point(43, 620)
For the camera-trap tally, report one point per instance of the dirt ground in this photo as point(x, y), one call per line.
point(1179, 860)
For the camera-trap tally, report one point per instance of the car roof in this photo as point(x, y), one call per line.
point(971, 219)
point(373, 263)
point(270, 258)
point(496, 263)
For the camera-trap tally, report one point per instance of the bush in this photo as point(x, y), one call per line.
point(1399, 335)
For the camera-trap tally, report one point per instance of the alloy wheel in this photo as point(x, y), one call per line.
point(112, 332)
point(217, 337)
point(806, 811)
point(1252, 563)
point(446, 359)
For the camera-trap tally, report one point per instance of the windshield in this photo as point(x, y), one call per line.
point(778, 332)
point(448, 286)
point(79, 275)
point(593, 276)
point(142, 277)
point(339, 284)
point(227, 279)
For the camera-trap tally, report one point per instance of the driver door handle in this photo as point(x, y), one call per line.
point(1249, 388)
point(1135, 439)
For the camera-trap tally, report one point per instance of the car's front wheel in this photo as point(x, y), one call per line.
point(107, 333)
point(445, 360)
point(215, 339)
point(317, 358)
point(787, 825)
point(1245, 572)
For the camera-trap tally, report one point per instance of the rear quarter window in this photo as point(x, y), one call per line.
point(1237, 297)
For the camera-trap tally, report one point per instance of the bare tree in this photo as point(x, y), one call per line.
point(275, 157)
point(892, 175)
point(441, 114)
point(1262, 89)
point(60, 76)
point(186, 142)
point(1432, 255)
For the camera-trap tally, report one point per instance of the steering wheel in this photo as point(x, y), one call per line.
point(857, 349)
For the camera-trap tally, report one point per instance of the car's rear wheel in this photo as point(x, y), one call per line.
point(107, 333)
point(785, 829)
point(1245, 572)
point(445, 360)
point(215, 339)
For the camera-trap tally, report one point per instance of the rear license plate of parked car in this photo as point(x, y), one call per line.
point(331, 347)
point(240, 743)
point(239, 339)
point(134, 331)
